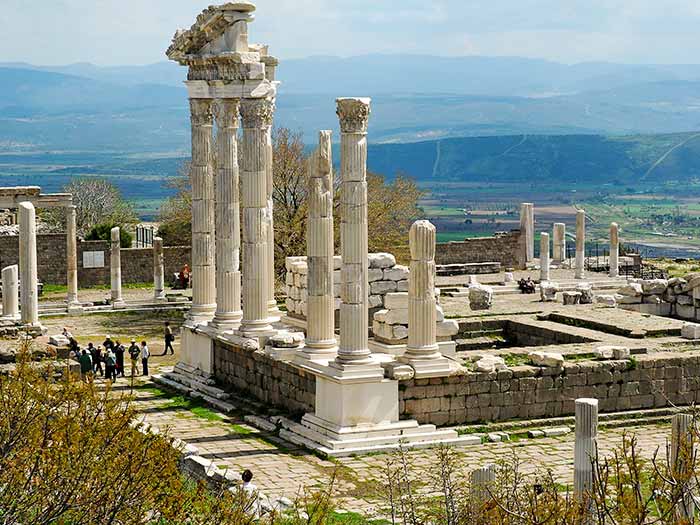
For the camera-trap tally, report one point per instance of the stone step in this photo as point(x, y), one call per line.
point(169, 383)
point(479, 343)
point(217, 403)
point(476, 334)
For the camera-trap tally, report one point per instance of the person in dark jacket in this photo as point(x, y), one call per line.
point(119, 355)
point(85, 365)
point(169, 338)
point(96, 354)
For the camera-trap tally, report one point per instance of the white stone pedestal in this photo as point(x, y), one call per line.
point(197, 349)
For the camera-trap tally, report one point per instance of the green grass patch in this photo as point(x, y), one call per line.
point(352, 518)
point(240, 429)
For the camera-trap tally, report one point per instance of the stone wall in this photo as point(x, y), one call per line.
point(505, 248)
point(254, 373)
point(533, 392)
point(137, 263)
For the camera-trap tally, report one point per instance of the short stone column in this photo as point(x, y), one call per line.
point(681, 464)
point(559, 242)
point(422, 351)
point(614, 258)
point(320, 326)
point(580, 243)
point(10, 292)
point(481, 483)
point(527, 230)
point(203, 242)
point(257, 119)
point(354, 115)
point(544, 257)
point(158, 270)
point(585, 447)
point(228, 238)
point(29, 292)
point(115, 268)
point(72, 259)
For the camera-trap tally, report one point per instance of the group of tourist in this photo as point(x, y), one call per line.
point(107, 359)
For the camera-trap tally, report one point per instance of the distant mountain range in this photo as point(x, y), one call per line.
point(82, 107)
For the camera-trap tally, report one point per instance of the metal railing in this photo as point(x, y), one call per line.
point(144, 236)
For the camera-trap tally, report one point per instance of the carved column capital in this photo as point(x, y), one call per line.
point(353, 114)
point(227, 112)
point(201, 112)
point(257, 112)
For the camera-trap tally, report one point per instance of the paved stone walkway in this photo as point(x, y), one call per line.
point(281, 469)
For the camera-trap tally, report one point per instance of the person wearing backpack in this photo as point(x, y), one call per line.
point(169, 338)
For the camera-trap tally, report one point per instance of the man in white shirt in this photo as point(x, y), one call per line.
point(145, 354)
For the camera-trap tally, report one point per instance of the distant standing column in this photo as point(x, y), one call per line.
point(544, 256)
point(580, 243)
point(115, 268)
point(482, 481)
point(29, 293)
point(353, 114)
point(559, 243)
point(273, 310)
point(257, 119)
point(527, 230)
point(320, 331)
point(72, 258)
point(585, 447)
point(228, 237)
point(203, 243)
point(158, 270)
point(614, 250)
point(10, 292)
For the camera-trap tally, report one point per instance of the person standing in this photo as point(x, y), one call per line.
point(119, 355)
point(108, 344)
point(145, 354)
point(110, 365)
point(85, 364)
point(134, 354)
point(96, 353)
point(169, 338)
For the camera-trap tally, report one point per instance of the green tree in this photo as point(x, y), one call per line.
point(103, 232)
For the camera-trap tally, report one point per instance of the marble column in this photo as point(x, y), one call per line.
point(559, 242)
point(257, 119)
point(10, 292)
point(203, 243)
point(158, 270)
point(481, 481)
point(72, 258)
point(320, 328)
point(585, 447)
point(228, 237)
point(115, 268)
point(354, 115)
point(580, 243)
point(681, 462)
point(273, 309)
point(527, 230)
point(29, 293)
point(544, 256)
point(614, 250)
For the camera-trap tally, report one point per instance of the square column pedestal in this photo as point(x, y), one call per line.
point(356, 415)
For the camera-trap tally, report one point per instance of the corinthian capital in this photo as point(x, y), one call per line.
point(227, 113)
point(257, 112)
point(353, 114)
point(200, 112)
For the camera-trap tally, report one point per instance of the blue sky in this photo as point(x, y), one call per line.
point(111, 32)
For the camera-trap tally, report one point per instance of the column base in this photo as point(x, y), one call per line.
point(436, 367)
point(274, 314)
point(160, 298)
point(118, 304)
point(446, 348)
point(225, 323)
point(197, 350)
point(75, 308)
point(201, 314)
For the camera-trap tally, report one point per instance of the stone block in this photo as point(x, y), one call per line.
point(396, 300)
point(607, 300)
point(402, 286)
point(631, 289)
point(586, 291)
point(375, 301)
point(547, 359)
point(548, 291)
point(612, 352)
point(480, 297)
point(397, 273)
point(490, 363)
point(571, 298)
point(381, 260)
point(382, 287)
point(447, 328)
point(375, 274)
point(654, 286)
point(690, 331)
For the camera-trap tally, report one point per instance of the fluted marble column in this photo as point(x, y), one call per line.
point(422, 333)
point(527, 230)
point(481, 483)
point(29, 293)
point(580, 243)
point(228, 238)
point(681, 463)
point(115, 268)
point(559, 242)
point(257, 119)
point(203, 243)
point(544, 256)
point(614, 250)
point(354, 115)
point(158, 270)
point(273, 309)
point(585, 447)
point(72, 258)
point(320, 328)
point(10, 292)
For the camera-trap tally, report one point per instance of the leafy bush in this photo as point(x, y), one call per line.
point(103, 232)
